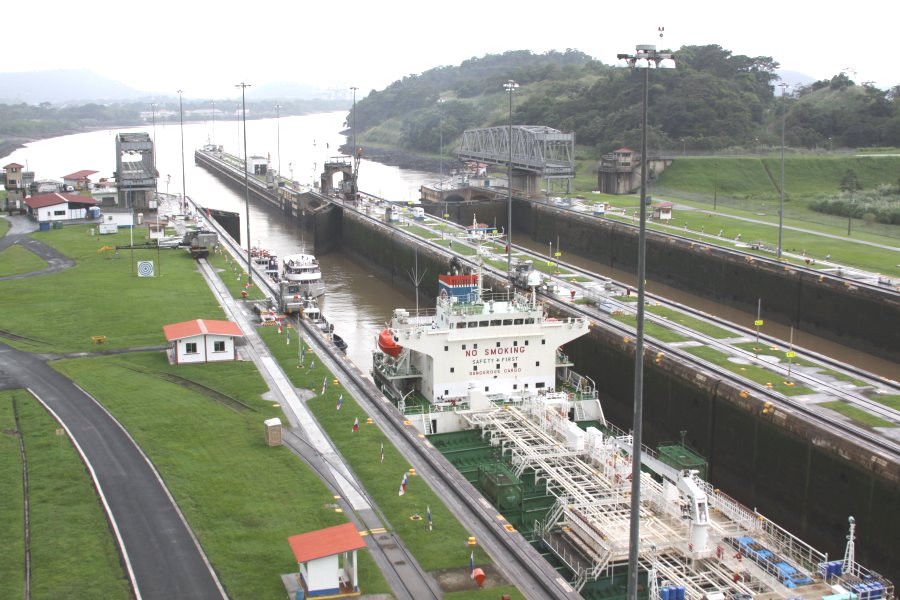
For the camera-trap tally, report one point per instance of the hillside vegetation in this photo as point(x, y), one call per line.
point(713, 101)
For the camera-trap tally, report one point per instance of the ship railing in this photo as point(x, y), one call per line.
point(625, 440)
point(789, 545)
point(728, 506)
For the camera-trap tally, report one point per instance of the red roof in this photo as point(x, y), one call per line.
point(13, 165)
point(83, 174)
point(54, 198)
point(623, 150)
point(177, 331)
point(326, 542)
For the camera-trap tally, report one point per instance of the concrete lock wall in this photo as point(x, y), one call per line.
point(833, 309)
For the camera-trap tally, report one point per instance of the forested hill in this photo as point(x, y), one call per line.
point(714, 100)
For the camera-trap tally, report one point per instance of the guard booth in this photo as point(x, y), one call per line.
point(327, 563)
point(662, 211)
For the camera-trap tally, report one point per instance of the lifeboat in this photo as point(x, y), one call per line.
point(387, 344)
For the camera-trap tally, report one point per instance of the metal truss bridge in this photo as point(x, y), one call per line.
point(536, 149)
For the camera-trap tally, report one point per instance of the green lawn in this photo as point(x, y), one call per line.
point(443, 548)
point(103, 296)
point(653, 330)
point(751, 372)
point(693, 323)
point(4, 224)
point(242, 498)
point(891, 400)
point(72, 549)
point(233, 274)
point(16, 259)
point(857, 414)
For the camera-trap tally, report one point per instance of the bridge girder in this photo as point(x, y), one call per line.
point(544, 151)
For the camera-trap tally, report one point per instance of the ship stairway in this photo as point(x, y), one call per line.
point(551, 519)
point(426, 423)
point(586, 561)
point(579, 411)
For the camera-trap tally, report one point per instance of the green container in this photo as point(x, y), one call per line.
point(57, 225)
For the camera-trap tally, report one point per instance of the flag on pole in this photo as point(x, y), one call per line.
point(324, 383)
point(356, 424)
point(472, 563)
point(428, 516)
point(403, 484)
point(340, 402)
point(382, 451)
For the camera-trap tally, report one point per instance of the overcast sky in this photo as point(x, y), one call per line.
point(205, 48)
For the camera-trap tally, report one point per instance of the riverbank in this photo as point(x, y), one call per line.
point(397, 157)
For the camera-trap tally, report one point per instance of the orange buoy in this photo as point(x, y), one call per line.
point(387, 344)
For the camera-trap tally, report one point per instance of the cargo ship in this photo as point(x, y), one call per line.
point(483, 376)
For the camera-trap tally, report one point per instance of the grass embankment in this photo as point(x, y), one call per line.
point(16, 260)
point(72, 550)
point(749, 187)
point(443, 548)
point(242, 498)
point(103, 296)
point(234, 275)
point(751, 372)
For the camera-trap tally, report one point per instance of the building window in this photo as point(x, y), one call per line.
point(453, 369)
point(446, 348)
point(190, 348)
point(487, 388)
point(463, 346)
point(537, 363)
point(515, 386)
point(543, 342)
point(474, 346)
point(59, 213)
point(498, 344)
point(498, 366)
point(515, 343)
point(475, 368)
point(219, 346)
point(526, 342)
point(539, 384)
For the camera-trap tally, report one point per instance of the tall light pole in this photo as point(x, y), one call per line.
point(510, 86)
point(355, 155)
point(440, 103)
point(645, 58)
point(783, 86)
point(244, 87)
point(213, 141)
point(183, 179)
point(278, 129)
point(153, 108)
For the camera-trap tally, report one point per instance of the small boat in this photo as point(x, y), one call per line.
point(339, 342)
point(304, 269)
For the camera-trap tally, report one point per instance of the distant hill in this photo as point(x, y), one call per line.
point(292, 90)
point(62, 86)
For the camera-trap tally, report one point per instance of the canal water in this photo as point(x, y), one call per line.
point(357, 302)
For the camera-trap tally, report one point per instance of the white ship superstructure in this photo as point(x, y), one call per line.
point(495, 343)
point(305, 270)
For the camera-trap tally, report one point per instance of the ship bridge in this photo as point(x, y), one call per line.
point(538, 152)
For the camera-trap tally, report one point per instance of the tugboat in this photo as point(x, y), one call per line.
point(304, 269)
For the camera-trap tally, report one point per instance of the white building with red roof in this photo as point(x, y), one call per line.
point(327, 561)
point(55, 206)
point(202, 340)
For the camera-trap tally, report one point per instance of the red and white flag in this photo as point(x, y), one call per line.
point(356, 424)
point(403, 484)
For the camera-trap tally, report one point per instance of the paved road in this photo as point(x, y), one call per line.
point(18, 234)
point(159, 548)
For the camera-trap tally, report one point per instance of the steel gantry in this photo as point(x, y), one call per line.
point(536, 149)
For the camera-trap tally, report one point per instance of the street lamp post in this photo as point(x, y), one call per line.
point(213, 141)
point(244, 87)
point(183, 179)
point(355, 154)
point(441, 119)
point(278, 129)
point(783, 87)
point(510, 86)
point(645, 58)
